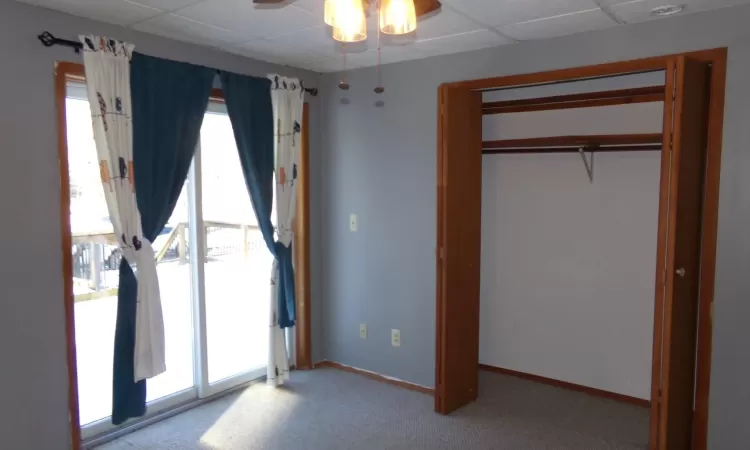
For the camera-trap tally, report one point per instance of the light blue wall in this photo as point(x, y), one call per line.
point(33, 372)
point(380, 162)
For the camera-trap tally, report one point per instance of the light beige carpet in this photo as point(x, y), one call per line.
point(328, 409)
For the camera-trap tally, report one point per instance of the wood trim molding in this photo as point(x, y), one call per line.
point(216, 95)
point(375, 376)
point(661, 254)
point(584, 100)
point(718, 59)
point(570, 386)
point(65, 71)
point(577, 73)
point(302, 249)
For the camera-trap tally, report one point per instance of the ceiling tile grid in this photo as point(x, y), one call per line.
point(118, 12)
point(495, 13)
point(293, 33)
point(181, 28)
point(577, 22)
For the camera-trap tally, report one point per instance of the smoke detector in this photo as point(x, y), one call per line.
point(667, 10)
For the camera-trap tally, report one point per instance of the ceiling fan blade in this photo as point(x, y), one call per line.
point(423, 7)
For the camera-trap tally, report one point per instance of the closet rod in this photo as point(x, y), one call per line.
point(584, 100)
point(577, 141)
point(618, 148)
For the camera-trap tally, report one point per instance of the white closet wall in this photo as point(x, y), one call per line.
point(568, 267)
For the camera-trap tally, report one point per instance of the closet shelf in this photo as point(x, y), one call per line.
point(585, 100)
point(573, 144)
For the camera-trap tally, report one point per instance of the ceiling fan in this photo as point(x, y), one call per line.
point(397, 17)
point(422, 7)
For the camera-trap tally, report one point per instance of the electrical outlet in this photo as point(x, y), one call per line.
point(396, 338)
point(363, 330)
point(352, 222)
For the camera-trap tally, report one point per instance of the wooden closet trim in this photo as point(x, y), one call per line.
point(718, 60)
point(652, 64)
point(302, 249)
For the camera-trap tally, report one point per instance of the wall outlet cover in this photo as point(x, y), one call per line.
point(363, 330)
point(396, 338)
point(353, 222)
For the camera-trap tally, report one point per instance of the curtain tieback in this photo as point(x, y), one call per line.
point(149, 345)
point(285, 285)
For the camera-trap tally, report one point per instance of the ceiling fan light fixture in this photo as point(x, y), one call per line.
point(397, 16)
point(350, 24)
point(329, 12)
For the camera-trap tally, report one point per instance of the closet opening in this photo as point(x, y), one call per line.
point(576, 236)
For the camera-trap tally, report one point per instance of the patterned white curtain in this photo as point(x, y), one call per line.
point(287, 95)
point(107, 66)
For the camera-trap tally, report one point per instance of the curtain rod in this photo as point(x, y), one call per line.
point(48, 40)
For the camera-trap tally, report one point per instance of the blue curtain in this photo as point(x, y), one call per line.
point(169, 101)
point(248, 101)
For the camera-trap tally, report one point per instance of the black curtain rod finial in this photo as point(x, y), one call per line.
point(48, 40)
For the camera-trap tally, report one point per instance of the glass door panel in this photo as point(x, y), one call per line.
point(96, 259)
point(174, 270)
point(237, 262)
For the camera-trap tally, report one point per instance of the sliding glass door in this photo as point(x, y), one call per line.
point(213, 266)
point(236, 262)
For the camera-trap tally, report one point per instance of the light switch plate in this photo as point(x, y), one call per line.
point(396, 338)
point(363, 330)
point(352, 222)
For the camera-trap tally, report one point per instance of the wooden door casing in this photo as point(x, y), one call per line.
point(683, 253)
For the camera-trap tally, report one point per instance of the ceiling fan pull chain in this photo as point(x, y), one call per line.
point(343, 85)
point(379, 89)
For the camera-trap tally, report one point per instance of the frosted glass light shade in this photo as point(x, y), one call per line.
point(397, 16)
point(329, 12)
point(350, 24)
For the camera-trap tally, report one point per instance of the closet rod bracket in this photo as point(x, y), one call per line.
point(588, 163)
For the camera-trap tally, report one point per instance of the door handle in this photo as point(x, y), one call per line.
point(680, 271)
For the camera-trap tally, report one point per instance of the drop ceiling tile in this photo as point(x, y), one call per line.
point(322, 65)
point(316, 39)
point(464, 42)
point(119, 12)
point(243, 18)
point(315, 7)
point(506, 12)
point(168, 5)
point(319, 40)
point(640, 10)
point(593, 19)
point(182, 29)
point(444, 23)
point(388, 55)
point(272, 51)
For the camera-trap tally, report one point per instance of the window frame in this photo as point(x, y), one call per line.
point(65, 72)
